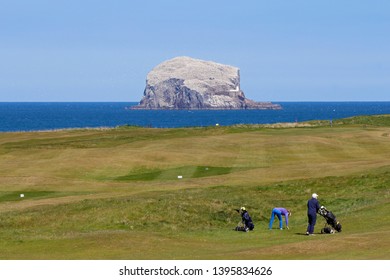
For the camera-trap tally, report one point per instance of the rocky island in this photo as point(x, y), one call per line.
point(188, 83)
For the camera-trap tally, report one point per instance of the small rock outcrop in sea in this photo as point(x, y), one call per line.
point(187, 83)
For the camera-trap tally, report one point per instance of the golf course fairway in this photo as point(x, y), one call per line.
point(147, 193)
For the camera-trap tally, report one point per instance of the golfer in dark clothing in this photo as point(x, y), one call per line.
point(246, 219)
point(312, 208)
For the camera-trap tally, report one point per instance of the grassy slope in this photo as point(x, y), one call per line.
point(115, 194)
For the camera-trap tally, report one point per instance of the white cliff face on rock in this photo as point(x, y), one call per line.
point(187, 83)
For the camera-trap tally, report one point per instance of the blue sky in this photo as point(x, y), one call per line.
point(85, 50)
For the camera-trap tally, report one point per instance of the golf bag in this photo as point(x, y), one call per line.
point(241, 227)
point(332, 224)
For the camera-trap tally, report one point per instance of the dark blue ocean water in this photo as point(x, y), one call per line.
point(47, 116)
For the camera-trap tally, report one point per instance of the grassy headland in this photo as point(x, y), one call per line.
point(116, 194)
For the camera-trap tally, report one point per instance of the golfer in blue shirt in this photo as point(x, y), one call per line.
point(279, 212)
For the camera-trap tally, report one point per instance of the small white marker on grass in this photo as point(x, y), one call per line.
point(179, 177)
point(22, 195)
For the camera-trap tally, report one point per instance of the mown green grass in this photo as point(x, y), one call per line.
point(177, 173)
point(115, 194)
point(17, 196)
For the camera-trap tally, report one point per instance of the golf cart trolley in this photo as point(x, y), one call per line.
point(332, 225)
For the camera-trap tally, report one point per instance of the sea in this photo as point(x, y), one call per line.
point(38, 116)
